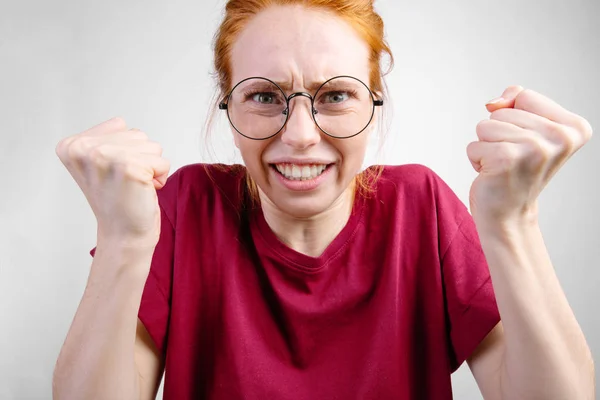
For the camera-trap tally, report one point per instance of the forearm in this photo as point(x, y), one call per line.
point(546, 354)
point(97, 358)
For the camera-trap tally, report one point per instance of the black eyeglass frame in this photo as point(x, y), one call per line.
point(223, 105)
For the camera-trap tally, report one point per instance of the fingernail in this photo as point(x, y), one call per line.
point(496, 100)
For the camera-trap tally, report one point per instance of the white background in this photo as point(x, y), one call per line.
point(68, 65)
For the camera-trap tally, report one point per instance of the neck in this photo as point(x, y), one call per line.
point(309, 235)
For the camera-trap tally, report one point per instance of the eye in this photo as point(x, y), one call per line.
point(264, 98)
point(336, 97)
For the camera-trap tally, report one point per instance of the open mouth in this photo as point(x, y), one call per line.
point(304, 172)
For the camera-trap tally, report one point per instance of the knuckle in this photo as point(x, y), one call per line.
point(482, 123)
point(64, 148)
point(60, 149)
point(499, 114)
point(97, 154)
point(568, 144)
point(507, 155)
point(129, 170)
point(487, 130)
point(524, 98)
point(558, 131)
point(495, 114)
point(506, 152)
point(138, 134)
point(166, 163)
point(482, 127)
point(75, 149)
point(118, 122)
point(155, 148)
point(526, 93)
point(103, 156)
point(126, 168)
point(110, 125)
point(565, 138)
point(539, 152)
point(472, 151)
point(584, 127)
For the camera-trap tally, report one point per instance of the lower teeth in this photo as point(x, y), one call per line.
point(299, 179)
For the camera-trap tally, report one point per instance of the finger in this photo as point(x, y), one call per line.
point(475, 153)
point(160, 181)
point(490, 130)
point(112, 125)
point(116, 142)
point(521, 118)
point(536, 103)
point(117, 137)
point(492, 156)
point(507, 100)
point(153, 167)
point(150, 147)
point(138, 146)
point(561, 135)
point(161, 172)
point(137, 133)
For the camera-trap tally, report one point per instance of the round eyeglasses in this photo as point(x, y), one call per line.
point(342, 107)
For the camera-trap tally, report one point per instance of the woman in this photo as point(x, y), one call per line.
point(299, 277)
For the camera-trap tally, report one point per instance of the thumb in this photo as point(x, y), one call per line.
point(507, 100)
point(160, 181)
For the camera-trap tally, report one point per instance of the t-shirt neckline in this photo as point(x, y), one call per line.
point(300, 261)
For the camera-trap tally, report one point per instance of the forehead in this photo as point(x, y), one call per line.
point(299, 46)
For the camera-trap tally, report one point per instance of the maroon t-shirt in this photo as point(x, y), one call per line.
point(398, 300)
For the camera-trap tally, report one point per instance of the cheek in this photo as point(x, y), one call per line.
point(353, 152)
point(357, 146)
point(236, 138)
point(252, 153)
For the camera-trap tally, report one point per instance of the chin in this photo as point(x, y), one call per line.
point(305, 206)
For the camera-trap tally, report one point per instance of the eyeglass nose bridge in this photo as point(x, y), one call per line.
point(304, 94)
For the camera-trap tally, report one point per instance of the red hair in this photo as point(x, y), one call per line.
point(360, 14)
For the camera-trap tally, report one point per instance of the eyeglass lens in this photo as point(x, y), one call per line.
point(343, 105)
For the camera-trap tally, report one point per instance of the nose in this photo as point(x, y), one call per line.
point(300, 131)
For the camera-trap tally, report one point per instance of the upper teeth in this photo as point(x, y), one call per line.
point(300, 172)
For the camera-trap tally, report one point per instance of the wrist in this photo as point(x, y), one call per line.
point(120, 256)
point(126, 242)
point(523, 219)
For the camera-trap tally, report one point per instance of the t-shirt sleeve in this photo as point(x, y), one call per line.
point(154, 308)
point(471, 306)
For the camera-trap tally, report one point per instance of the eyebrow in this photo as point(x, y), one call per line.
point(312, 86)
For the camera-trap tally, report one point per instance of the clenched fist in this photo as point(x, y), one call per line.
point(119, 170)
point(526, 140)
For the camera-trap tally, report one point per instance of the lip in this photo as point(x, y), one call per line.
point(302, 186)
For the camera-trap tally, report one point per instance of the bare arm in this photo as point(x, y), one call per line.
point(149, 362)
point(108, 353)
point(539, 351)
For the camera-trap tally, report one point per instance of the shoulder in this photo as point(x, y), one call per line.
point(210, 182)
point(418, 191)
point(201, 176)
point(407, 173)
point(416, 179)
